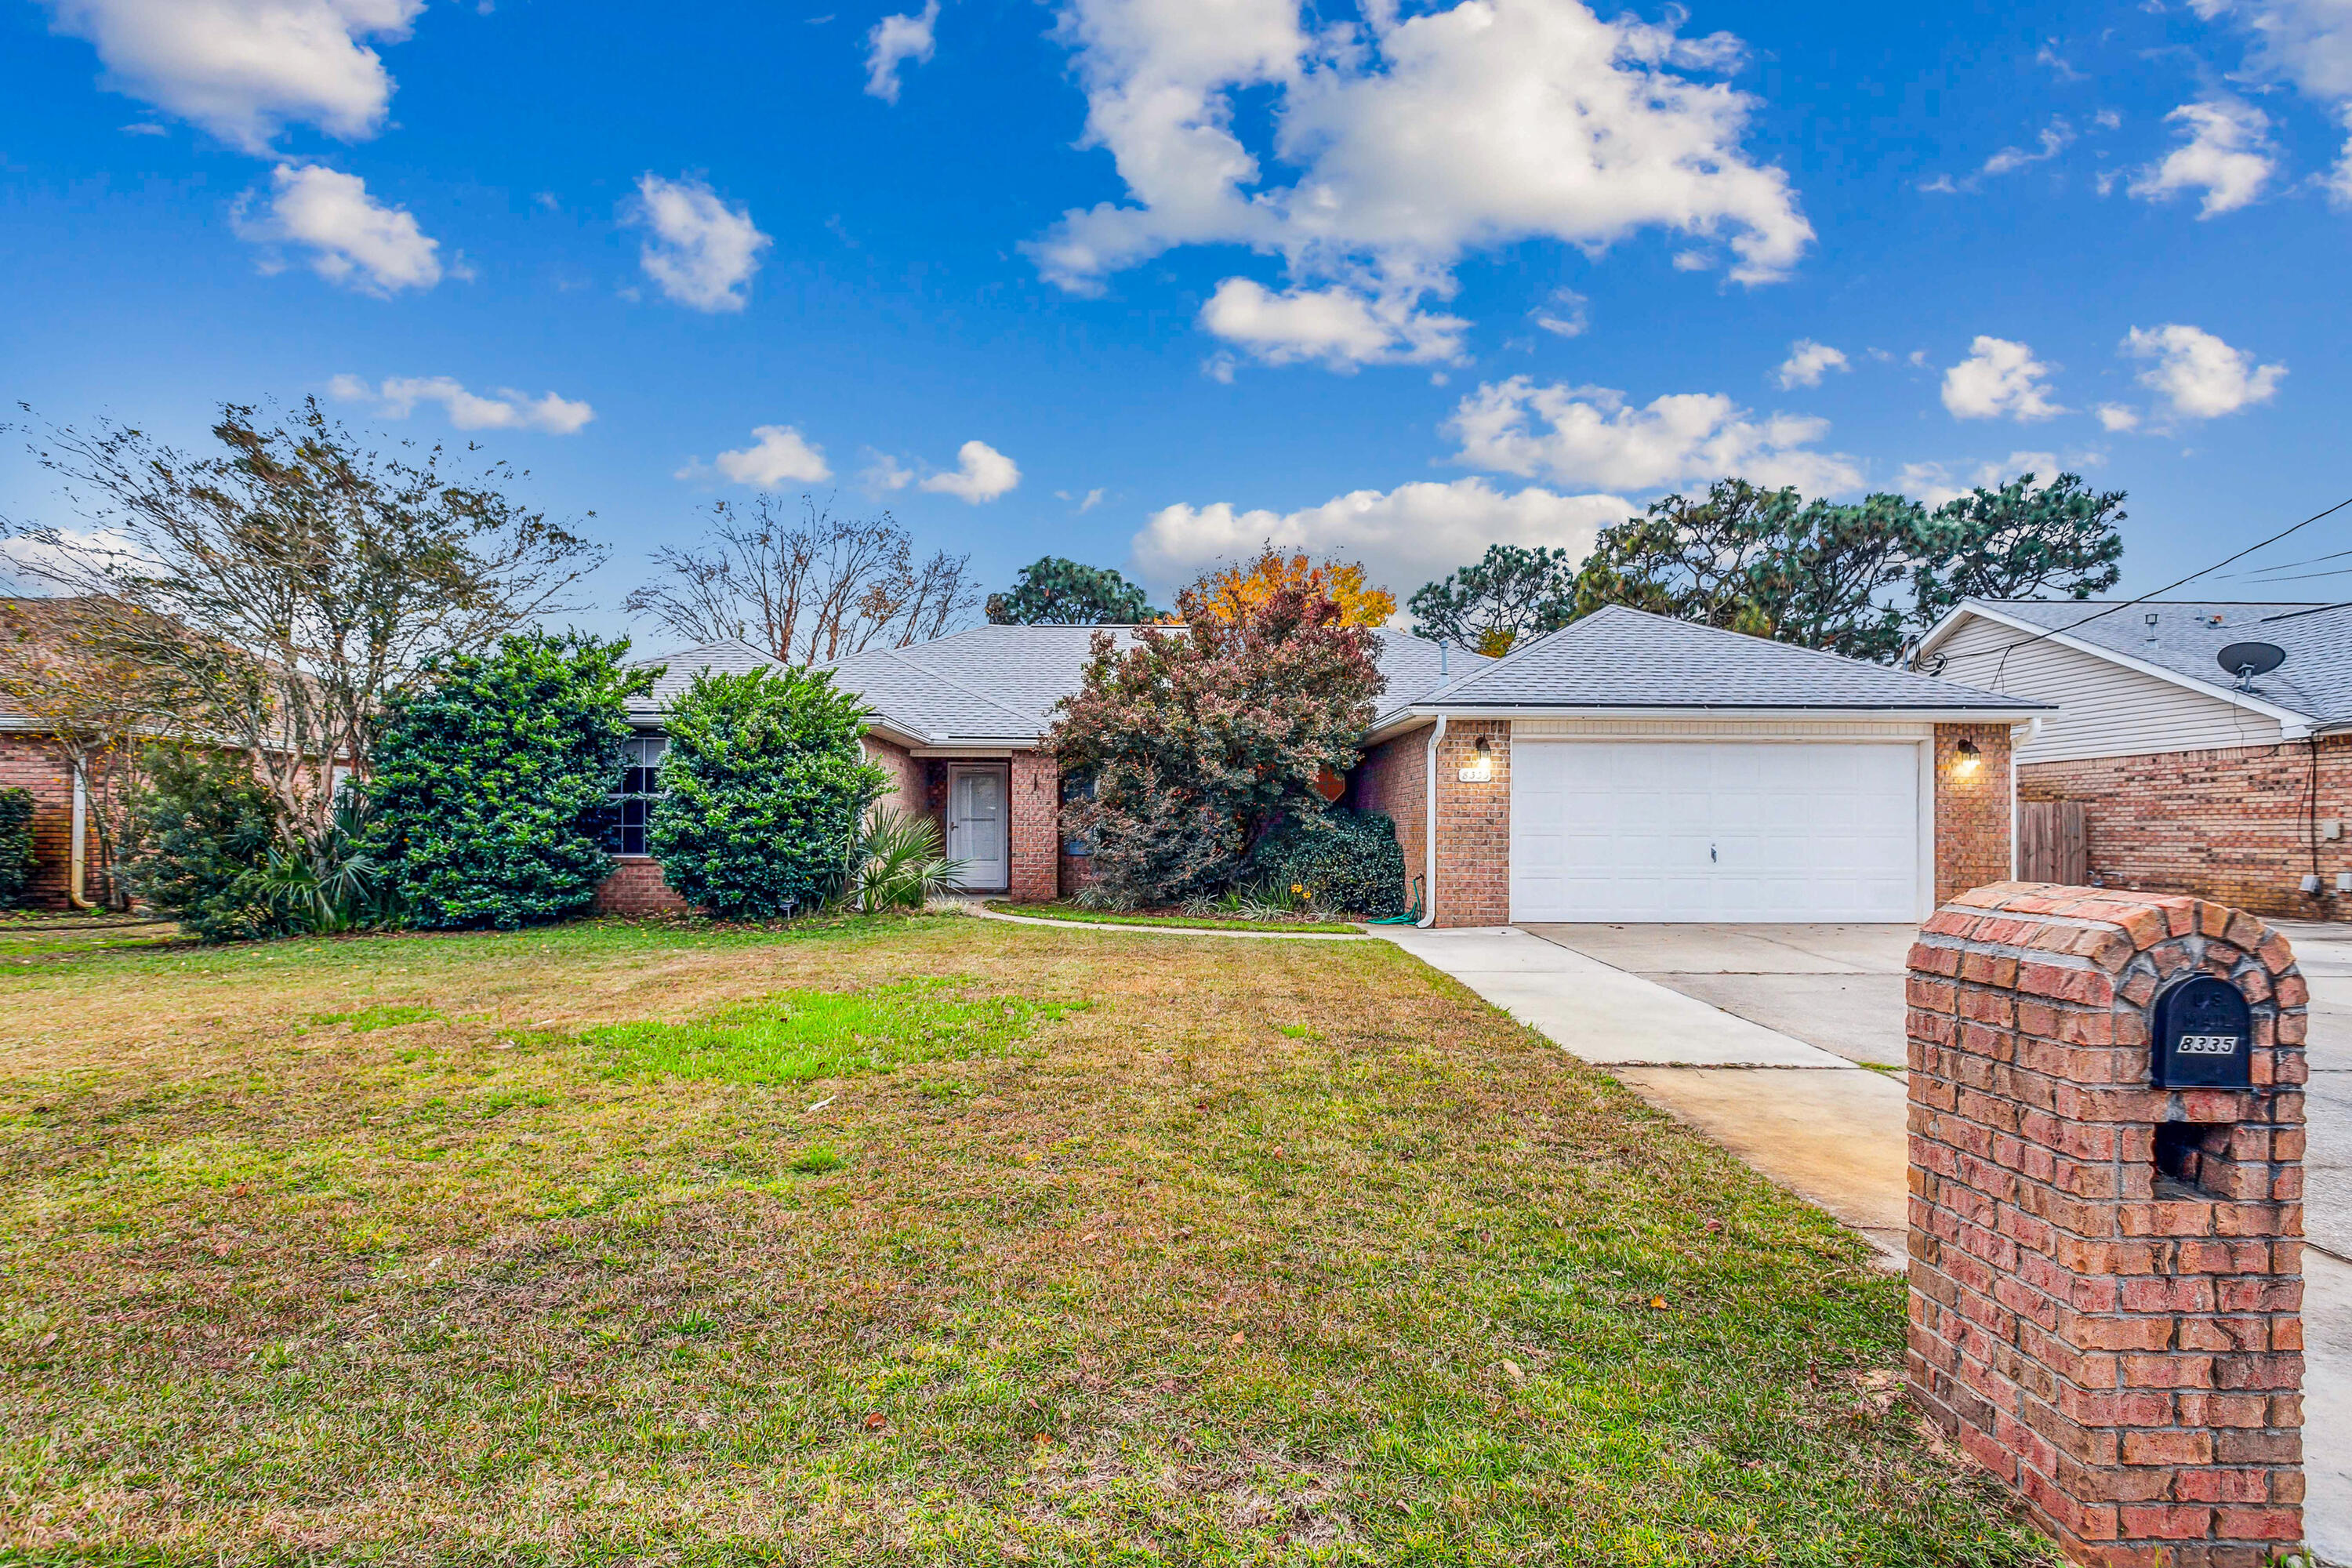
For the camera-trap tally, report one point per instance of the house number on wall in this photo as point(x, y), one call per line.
point(2201, 1034)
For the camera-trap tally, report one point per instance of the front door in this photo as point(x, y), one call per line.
point(976, 825)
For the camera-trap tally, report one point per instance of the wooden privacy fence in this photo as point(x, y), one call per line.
point(2051, 843)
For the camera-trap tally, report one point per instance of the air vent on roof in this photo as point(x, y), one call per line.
point(2247, 659)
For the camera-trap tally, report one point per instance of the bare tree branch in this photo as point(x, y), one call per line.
point(807, 591)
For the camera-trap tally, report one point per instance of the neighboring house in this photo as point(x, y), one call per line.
point(2189, 780)
point(1628, 768)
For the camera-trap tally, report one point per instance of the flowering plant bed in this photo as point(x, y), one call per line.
point(1166, 917)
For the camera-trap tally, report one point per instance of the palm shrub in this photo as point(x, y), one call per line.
point(1335, 860)
point(898, 864)
point(491, 782)
point(765, 788)
point(334, 884)
point(203, 832)
point(15, 842)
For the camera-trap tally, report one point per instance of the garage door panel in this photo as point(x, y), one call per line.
point(1714, 831)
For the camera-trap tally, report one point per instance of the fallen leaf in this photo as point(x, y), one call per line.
point(1236, 1339)
point(1659, 1301)
point(877, 1422)
point(1511, 1369)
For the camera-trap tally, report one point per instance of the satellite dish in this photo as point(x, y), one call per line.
point(2247, 659)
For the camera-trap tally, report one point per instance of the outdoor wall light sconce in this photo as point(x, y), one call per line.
point(1481, 767)
point(1968, 760)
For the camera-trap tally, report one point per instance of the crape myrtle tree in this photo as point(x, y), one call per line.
point(764, 791)
point(1512, 592)
point(1203, 737)
point(493, 777)
point(290, 586)
point(1055, 592)
point(1861, 579)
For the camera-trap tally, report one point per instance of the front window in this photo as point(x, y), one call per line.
point(633, 805)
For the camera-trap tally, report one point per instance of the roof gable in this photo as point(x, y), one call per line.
point(2182, 644)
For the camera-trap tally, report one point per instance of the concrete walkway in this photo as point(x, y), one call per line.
point(1758, 1036)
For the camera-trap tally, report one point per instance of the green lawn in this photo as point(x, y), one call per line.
point(921, 1240)
point(28, 936)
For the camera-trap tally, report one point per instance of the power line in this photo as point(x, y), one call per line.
point(2006, 649)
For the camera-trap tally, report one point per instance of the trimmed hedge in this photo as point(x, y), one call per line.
point(1344, 859)
point(490, 784)
point(764, 790)
point(15, 842)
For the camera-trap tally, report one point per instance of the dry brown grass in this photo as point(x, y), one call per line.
point(1289, 1252)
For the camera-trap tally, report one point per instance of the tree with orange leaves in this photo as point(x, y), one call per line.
point(1231, 592)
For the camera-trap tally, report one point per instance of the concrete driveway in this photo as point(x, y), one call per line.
point(1840, 987)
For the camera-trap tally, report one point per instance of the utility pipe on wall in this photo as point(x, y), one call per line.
point(74, 880)
point(1429, 833)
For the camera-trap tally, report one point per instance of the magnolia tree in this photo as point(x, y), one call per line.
point(1203, 737)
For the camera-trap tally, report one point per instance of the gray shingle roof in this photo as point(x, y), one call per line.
point(1619, 658)
point(2315, 680)
point(996, 685)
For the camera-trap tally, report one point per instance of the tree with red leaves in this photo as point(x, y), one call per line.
point(1200, 738)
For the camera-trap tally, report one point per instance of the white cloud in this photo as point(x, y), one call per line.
point(2197, 374)
point(1935, 483)
point(1590, 434)
point(884, 472)
point(1335, 326)
point(1806, 362)
point(701, 251)
point(981, 474)
point(354, 239)
point(2009, 160)
point(2227, 155)
point(1405, 537)
point(2306, 42)
point(894, 41)
point(778, 454)
point(1562, 315)
point(1416, 140)
point(507, 410)
point(2117, 416)
point(1092, 499)
point(1997, 378)
point(243, 69)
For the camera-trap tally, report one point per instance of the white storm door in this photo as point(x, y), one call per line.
point(976, 825)
point(1716, 831)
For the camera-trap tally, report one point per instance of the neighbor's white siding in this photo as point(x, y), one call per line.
point(2104, 709)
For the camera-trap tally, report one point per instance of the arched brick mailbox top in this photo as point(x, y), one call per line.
point(2106, 1274)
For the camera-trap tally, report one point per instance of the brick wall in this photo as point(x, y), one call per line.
point(2234, 824)
point(2121, 1345)
point(1393, 778)
point(27, 764)
point(909, 787)
point(635, 887)
point(1473, 827)
point(1972, 809)
point(1036, 827)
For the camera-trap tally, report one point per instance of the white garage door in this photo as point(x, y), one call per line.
point(1651, 830)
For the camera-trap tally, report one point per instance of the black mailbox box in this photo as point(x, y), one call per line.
point(2202, 1036)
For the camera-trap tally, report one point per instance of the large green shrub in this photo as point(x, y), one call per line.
point(1342, 859)
point(202, 833)
point(491, 782)
point(764, 789)
point(15, 842)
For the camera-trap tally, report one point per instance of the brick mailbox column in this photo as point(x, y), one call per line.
point(2106, 1276)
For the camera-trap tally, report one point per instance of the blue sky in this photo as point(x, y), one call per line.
point(1146, 281)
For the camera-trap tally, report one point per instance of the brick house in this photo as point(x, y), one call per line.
point(2192, 779)
point(1629, 767)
